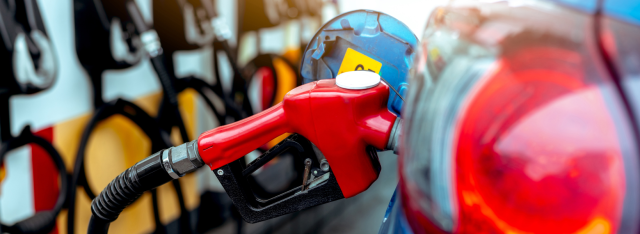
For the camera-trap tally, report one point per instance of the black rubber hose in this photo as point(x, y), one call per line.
point(170, 94)
point(165, 78)
point(200, 87)
point(5, 117)
point(97, 225)
point(136, 115)
point(168, 83)
point(239, 81)
point(130, 111)
point(126, 188)
point(231, 109)
point(95, 76)
point(232, 59)
point(42, 221)
point(153, 171)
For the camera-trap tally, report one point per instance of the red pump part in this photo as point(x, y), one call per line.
point(340, 122)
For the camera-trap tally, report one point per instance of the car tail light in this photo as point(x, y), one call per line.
point(516, 129)
point(537, 150)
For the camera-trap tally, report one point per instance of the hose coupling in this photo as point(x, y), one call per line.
point(182, 159)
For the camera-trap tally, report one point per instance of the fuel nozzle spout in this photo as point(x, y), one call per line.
point(394, 137)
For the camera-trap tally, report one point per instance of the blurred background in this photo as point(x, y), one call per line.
point(102, 95)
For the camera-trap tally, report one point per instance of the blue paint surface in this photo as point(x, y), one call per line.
point(588, 6)
point(626, 10)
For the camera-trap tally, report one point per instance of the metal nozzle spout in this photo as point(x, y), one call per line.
point(392, 144)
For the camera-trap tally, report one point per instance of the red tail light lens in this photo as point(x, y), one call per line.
point(513, 125)
point(538, 151)
point(533, 146)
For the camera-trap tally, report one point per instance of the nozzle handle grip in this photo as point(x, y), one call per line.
point(227, 143)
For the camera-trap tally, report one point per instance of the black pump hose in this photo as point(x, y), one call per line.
point(124, 190)
point(145, 175)
point(131, 111)
point(168, 82)
point(170, 94)
point(240, 82)
point(170, 105)
point(128, 186)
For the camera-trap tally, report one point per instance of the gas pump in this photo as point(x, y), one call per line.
point(337, 126)
point(106, 39)
point(199, 26)
point(29, 59)
point(27, 50)
point(191, 25)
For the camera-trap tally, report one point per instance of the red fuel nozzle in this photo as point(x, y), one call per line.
point(340, 122)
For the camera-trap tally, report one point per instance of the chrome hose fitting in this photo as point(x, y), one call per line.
point(182, 159)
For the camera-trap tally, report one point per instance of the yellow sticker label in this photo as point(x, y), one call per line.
point(355, 61)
